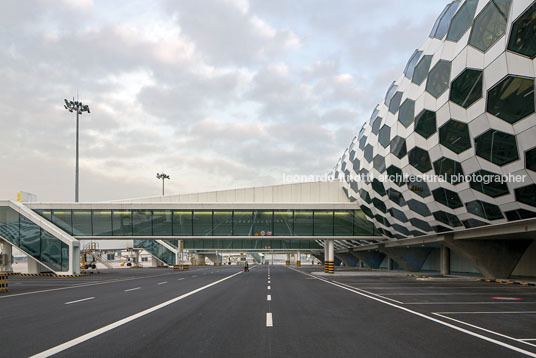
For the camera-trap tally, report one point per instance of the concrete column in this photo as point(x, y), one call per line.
point(34, 266)
point(137, 253)
point(409, 258)
point(75, 254)
point(288, 260)
point(329, 263)
point(6, 251)
point(201, 260)
point(389, 266)
point(444, 260)
point(298, 259)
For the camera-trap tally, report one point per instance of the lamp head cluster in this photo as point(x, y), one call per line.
point(76, 106)
point(162, 176)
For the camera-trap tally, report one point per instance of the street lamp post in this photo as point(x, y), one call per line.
point(79, 108)
point(162, 176)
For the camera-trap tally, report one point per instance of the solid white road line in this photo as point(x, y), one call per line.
point(269, 298)
point(107, 328)
point(83, 299)
point(527, 339)
point(269, 288)
point(488, 312)
point(182, 278)
point(369, 293)
point(470, 303)
point(463, 330)
point(161, 283)
point(132, 289)
point(194, 276)
point(269, 281)
point(269, 321)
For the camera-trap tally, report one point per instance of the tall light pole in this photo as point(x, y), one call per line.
point(79, 108)
point(162, 176)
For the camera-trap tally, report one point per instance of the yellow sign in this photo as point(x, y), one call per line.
point(19, 196)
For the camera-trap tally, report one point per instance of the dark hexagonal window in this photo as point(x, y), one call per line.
point(378, 187)
point(376, 125)
point(466, 89)
point(469, 223)
point(447, 218)
point(401, 229)
point(412, 62)
point(356, 165)
point(526, 194)
point(363, 142)
point(395, 102)
point(365, 196)
point(367, 211)
point(455, 136)
point(523, 35)
point(530, 159)
point(353, 185)
point(389, 94)
point(489, 183)
point(418, 186)
point(417, 233)
point(490, 25)
point(438, 79)
point(406, 112)
point(419, 159)
point(484, 210)
point(497, 147)
point(398, 147)
point(396, 197)
point(443, 21)
point(421, 70)
point(343, 166)
point(368, 152)
point(395, 175)
point(421, 224)
point(425, 123)
point(379, 204)
point(418, 207)
point(449, 169)
point(379, 163)
point(382, 220)
point(462, 20)
point(512, 99)
point(364, 175)
point(385, 136)
point(519, 214)
point(447, 198)
point(397, 214)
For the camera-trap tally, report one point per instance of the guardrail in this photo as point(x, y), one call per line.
point(3, 282)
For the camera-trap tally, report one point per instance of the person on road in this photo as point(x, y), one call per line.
point(246, 267)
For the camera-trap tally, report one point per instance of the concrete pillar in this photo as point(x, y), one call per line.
point(6, 251)
point(201, 259)
point(444, 260)
point(298, 259)
point(372, 259)
point(75, 259)
point(137, 258)
point(288, 260)
point(35, 267)
point(389, 266)
point(408, 258)
point(329, 263)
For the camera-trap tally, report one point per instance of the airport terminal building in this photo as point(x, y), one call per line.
point(442, 177)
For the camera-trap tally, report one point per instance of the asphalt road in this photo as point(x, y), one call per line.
point(272, 311)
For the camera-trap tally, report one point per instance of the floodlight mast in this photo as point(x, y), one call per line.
point(162, 176)
point(79, 108)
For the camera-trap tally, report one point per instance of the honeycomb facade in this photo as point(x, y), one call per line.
point(463, 108)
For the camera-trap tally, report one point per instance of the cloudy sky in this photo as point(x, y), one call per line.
point(218, 94)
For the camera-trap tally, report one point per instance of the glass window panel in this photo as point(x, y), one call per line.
point(462, 20)
point(438, 79)
point(202, 222)
point(162, 222)
point(63, 220)
point(522, 39)
point(445, 19)
point(512, 99)
point(46, 213)
point(343, 223)
point(51, 251)
point(323, 222)
point(497, 147)
point(30, 237)
point(303, 222)
point(142, 223)
point(466, 89)
point(122, 222)
point(490, 24)
point(182, 223)
point(64, 257)
point(362, 226)
point(421, 70)
point(243, 223)
point(223, 223)
point(283, 220)
point(410, 66)
point(9, 225)
point(102, 222)
point(262, 221)
point(82, 223)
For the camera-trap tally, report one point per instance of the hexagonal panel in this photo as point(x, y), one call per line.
point(421, 70)
point(418, 186)
point(382, 220)
point(379, 204)
point(440, 229)
point(466, 89)
point(367, 211)
point(365, 196)
point(490, 25)
point(512, 99)
point(379, 163)
point(396, 197)
point(418, 207)
point(419, 159)
point(455, 136)
point(443, 21)
point(497, 147)
point(530, 159)
point(378, 187)
point(395, 102)
point(421, 224)
point(488, 183)
point(401, 229)
point(447, 197)
point(368, 152)
point(484, 210)
point(519, 214)
point(384, 137)
point(395, 175)
point(406, 113)
point(462, 20)
point(398, 147)
point(438, 78)
point(523, 35)
point(469, 223)
point(447, 218)
point(526, 194)
point(397, 214)
point(449, 169)
point(412, 62)
point(425, 123)
point(356, 165)
point(376, 125)
point(362, 142)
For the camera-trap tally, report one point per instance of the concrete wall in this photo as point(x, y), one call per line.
point(527, 264)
